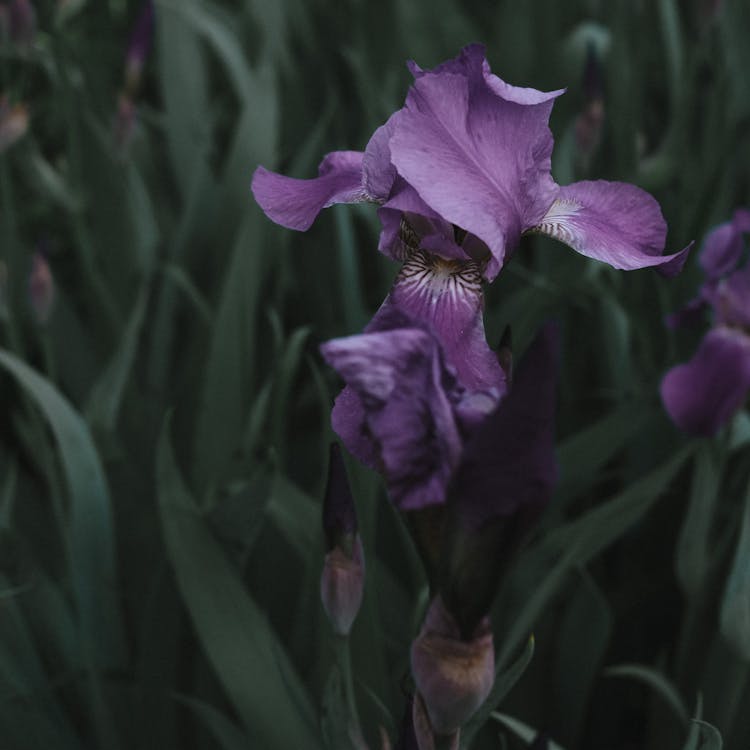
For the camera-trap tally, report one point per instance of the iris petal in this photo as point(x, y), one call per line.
point(482, 162)
point(447, 297)
point(703, 394)
point(613, 222)
point(398, 376)
point(295, 204)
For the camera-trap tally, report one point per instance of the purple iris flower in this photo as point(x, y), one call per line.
point(703, 394)
point(468, 159)
point(460, 173)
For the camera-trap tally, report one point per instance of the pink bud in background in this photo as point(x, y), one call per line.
point(453, 676)
point(41, 288)
point(343, 577)
point(14, 122)
point(342, 585)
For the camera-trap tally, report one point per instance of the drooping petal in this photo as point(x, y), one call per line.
point(702, 395)
point(399, 378)
point(447, 297)
point(295, 204)
point(613, 222)
point(482, 162)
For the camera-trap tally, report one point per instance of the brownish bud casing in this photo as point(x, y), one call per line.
point(453, 676)
point(342, 584)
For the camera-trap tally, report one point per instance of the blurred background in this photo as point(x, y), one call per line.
point(165, 411)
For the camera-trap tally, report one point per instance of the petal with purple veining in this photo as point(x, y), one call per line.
point(613, 222)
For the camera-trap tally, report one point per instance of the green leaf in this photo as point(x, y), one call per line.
point(91, 531)
point(106, 396)
point(181, 56)
point(524, 731)
point(655, 680)
point(735, 607)
point(223, 729)
point(249, 661)
point(583, 636)
point(231, 361)
point(582, 455)
point(296, 515)
point(693, 552)
point(703, 736)
point(576, 542)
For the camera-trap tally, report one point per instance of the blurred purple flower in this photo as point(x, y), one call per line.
point(467, 163)
point(702, 395)
point(18, 19)
point(139, 46)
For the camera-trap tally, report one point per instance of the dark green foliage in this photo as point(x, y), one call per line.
point(159, 574)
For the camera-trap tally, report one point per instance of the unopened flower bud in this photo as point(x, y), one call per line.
point(453, 675)
point(41, 288)
point(424, 735)
point(14, 122)
point(342, 584)
point(342, 580)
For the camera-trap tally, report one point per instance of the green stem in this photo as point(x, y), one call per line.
point(344, 662)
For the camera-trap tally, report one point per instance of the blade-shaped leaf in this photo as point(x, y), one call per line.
point(249, 661)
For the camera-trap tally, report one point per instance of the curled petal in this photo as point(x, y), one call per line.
point(295, 204)
point(399, 377)
point(613, 222)
point(703, 394)
point(472, 63)
point(379, 173)
point(482, 162)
